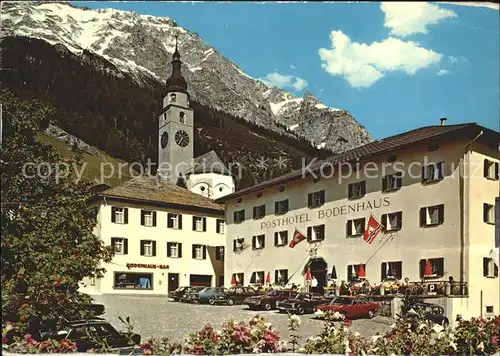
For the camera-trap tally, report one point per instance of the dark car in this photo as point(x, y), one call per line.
point(302, 303)
point(93, 334)
point(268, 301)
point(191, 296)
point(234, 295)
point(177, 294)
point(428, 311)
point(206, 294)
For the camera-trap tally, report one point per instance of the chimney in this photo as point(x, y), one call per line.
point(443, 121)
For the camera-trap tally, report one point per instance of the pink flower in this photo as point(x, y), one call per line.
point(347, 322)
point(494, 340)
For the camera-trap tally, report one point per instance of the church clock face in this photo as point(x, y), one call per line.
point(182, 138)
point(164, 140)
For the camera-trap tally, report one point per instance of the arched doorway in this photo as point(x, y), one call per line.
point(319, 270)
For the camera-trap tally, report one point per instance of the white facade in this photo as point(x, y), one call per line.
point(149, 244)
point(405, 250)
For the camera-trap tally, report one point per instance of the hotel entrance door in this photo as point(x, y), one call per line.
point(173, 281)
point(319, 270)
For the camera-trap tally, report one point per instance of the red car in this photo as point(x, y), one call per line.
point(350, 307)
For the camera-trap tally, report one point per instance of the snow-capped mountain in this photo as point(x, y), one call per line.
point(142, 46)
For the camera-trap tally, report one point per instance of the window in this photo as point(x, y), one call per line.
point(259, 211)
point(488, 213)
point(353, 272)
point(126, 280)
point(239, 244)
point(392, 270)
point(220, 226)
point(257, 277)
point(281, 238)
point(199, 252)
point(92, 281)
point(433, 172)
point(490, 269)
point(239, 279)
point(239, 216)
point(281, 276)
point(182, 117)
point(219, 253)
point(436, 268)
point(491, 169)
point(199, 223)
point(316, 199)
point(489, 310)
point(316, 233)
point(392, 182)
point(355, 227)
point(356, 190)
point(120, 245)
point(148, 248)
point(174, 221)
point(432, 215)
point(148, 218)
point(258, 242)
point(392, 221)
point(174, 249)
point(173, 97)
point(119, 215)
point(281, 207)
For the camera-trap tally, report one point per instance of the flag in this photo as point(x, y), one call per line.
point(268, 278)
point(495, 256)
point(428, 269)
point(233, 280)
point(297, 237)
point(361, 272)
point(373, 229)
point(308, 275)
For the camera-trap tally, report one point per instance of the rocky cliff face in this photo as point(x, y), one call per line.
point(141, 45)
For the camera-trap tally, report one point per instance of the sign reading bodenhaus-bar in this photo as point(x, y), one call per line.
point(327, 213)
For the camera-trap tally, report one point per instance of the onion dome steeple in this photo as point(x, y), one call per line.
point(176, 82)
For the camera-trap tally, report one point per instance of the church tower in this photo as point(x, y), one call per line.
point(176, 126)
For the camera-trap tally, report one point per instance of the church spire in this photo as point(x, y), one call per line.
point(176, 82)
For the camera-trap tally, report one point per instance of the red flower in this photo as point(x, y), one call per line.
point(5, 339)
point(494, 340)
point(20, 276)
point(347, 322)
point(22, 319)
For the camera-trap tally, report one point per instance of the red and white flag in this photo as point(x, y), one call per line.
point(372, 230)
point(297, 237)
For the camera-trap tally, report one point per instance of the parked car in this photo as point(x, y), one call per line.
point(349, 307)
point(206, 294)
point(92, 334)
point(428, 311)
point(234, 295)
point(268, 301)
point(191, 295)
point(302, 303)
point(177, 294)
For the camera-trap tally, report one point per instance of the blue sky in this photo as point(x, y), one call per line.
point(394, 67)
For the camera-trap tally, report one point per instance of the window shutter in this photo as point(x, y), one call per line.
point(349, 273)
point(286, 205)
point(276, 207)
point(252, 278)
point(113, 242)
point(169, 254)
point(113, 214)
point(486, 168)
point(384, 184)
point(348, 228)
point(125, 246)
point(495, 270)
point(496, 172)
point(234, 245)
point(217, 226)
point(263, 241)
point(275, 239)
point(194, 223)
point(350, 188)
point(204, 224)
point(276, 276)
point(423, 216)
point(254, 212)
point(309, 200)
point(142, 248)
point(179, 216)
point(441, 214)
point(142, 216)
point(309, 233)
point(383, 220)
point(485, 212)
point(235, 216)
point(170, 222)
point(400, 179)
point(154, 218)
point(422, 268)
point(322, 194)
point(254, 239)
point(193, 251)
point(382, 274)
point(125, 215)
point(322, 232)
point(154, 248)
point(441, 170)
point(285, 239)
point(363, 187)
point(486, 264)
point(204, 252)
point(179, 249)
point(424, 174)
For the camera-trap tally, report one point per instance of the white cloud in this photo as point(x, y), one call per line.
point(284, 81)
point(364, 64)
point(443, 72)
point(292, 66)
point(408, 18)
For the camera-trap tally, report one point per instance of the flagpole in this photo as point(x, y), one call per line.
point(386, 241)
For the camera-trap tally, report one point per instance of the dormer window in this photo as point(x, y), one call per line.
point(182, 117)
point(173, 97)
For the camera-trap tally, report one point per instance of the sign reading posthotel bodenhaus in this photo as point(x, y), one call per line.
point(328, 213)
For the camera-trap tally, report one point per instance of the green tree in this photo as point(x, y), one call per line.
point(48, 245)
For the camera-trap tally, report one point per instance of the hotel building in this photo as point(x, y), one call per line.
point(164, 237)
point(433, 189)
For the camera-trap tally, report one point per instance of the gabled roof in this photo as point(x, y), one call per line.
point(153, 191)
point(374, 148)
point(208, 163)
